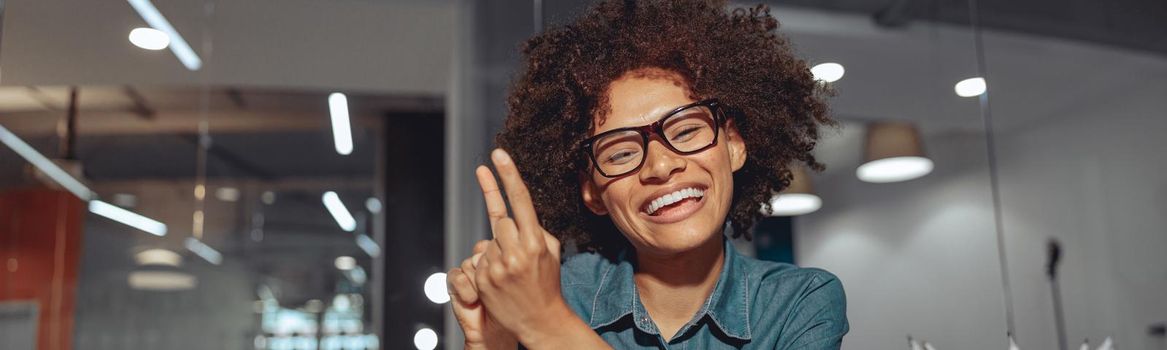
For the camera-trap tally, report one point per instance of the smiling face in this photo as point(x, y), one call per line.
point(674, 203)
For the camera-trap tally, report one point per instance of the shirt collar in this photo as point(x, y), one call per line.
point(728, 305)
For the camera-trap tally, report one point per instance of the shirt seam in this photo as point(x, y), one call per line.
point(596, 297)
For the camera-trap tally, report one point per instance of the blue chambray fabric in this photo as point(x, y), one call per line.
point(755, 305)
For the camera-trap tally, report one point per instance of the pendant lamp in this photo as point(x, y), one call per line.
point(893, 153)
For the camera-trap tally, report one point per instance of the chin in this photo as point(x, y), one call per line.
point(679, 239)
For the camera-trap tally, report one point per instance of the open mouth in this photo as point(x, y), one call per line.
point(675, 201)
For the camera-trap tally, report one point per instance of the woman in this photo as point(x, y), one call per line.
point(642, 129)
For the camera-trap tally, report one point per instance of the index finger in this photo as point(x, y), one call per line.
point(496, 208)
point(519, 198)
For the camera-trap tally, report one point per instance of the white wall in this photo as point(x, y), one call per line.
point(1091, 175)
point(916, 257)
point(1080, 148)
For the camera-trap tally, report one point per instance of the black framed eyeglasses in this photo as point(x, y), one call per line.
point(685, 130)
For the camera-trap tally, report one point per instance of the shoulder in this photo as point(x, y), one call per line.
point(787, 279)
point(584, 269)
point(781, 288)
point(581, 276)
point(806, 306)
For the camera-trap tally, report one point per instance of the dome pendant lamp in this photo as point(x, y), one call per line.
point(893, 153)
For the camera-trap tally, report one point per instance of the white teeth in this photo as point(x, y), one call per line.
point(674, 197)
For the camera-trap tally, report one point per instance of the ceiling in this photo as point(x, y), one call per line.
point(1129, 24)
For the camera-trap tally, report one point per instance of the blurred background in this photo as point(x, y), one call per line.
point(297, 174)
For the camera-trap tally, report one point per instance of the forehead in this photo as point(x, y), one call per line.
point(641, 97)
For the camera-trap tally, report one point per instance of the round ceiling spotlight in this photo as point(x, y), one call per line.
point(435, 288)
point(149, 38)
point(797, 199)
point(425, 339)
point(970, 87)
point(827, 72)
point(894, 153)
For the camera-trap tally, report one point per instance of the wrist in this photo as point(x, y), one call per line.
point(543, 333)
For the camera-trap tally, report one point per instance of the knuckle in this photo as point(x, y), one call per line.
point(514, 260)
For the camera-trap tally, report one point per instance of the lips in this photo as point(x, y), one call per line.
point(671, 196)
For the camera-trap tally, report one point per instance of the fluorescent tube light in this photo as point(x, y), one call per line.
point(127, 217)
point(178, 45)
point(203, 250)
point(45, 165)
point(368, 245)
point(339, 212)
point(342, 132)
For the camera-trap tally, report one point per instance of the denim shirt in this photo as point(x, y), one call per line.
point(754, 305)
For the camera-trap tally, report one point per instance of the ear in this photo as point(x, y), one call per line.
point(737, 145)
point(591, 195)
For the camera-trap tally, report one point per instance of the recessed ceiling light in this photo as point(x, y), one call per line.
point(970, 87)
point(149, 38)
point(827, 72)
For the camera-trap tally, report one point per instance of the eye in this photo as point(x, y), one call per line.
point(621, 157)
point(685, 133)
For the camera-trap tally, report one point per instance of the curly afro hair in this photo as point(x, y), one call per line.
point(735, 57)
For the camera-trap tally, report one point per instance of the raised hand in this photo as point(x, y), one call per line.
point(481, 332)
point(517, 276)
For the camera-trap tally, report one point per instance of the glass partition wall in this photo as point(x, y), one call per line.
point(1077, 108)
point(214, 175)
point(291, 174)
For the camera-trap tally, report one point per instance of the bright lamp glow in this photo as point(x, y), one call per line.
point(373, 204)
point(435, 288)
point(425, 339)
point(342, 133)
point(178, 45)
point(158, 257)
point(970, 87)
point(339, 212)
point(345, 263)
point(794, 204)
point(161, 280)
point(46, 166)
point(149, 38)
point(827, 72)
point(368, 245)
point(203, 250)
point(127, 217)
point(894, 169)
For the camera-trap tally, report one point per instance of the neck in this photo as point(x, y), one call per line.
point(675, 286)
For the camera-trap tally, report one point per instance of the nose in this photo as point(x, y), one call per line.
point(661, 163)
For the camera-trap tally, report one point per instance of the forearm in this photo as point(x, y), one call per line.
point(570, 332)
